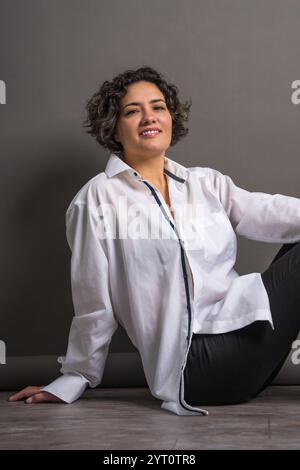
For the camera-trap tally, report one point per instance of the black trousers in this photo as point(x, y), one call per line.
point(233, 367)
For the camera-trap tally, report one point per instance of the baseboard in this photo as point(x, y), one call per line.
point(121, 370)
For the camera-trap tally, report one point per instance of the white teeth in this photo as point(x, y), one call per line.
point(150, 132)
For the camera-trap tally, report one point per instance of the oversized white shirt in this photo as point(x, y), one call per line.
point(142, 278)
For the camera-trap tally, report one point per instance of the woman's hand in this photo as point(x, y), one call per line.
point(34, 395)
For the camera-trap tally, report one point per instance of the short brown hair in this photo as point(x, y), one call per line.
point(103, 108)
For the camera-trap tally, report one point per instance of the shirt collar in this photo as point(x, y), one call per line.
point(116, 165)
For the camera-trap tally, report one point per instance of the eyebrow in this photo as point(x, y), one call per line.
point(137, 103)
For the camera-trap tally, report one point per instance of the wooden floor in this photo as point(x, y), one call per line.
point(130, 418)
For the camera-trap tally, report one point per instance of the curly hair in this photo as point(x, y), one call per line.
point(103, 108)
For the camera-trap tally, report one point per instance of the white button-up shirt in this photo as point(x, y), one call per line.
point(124, 272)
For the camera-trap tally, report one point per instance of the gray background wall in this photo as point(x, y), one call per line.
point(236, 60)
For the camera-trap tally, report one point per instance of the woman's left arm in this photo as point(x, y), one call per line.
point(257, 215)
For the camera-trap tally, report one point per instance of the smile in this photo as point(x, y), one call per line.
point(150, 133)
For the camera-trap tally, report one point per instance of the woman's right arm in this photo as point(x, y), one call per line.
point(93, 324)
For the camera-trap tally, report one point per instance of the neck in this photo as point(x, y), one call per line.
point(151, 168)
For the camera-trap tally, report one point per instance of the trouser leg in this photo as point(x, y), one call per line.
point(280, 302)
point(235, 366)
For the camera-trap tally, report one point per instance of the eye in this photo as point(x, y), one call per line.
point(134, 110)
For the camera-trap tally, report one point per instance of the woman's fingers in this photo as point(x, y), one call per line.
point(34, 395)
point(24, 393)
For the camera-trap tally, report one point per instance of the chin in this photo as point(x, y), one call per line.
point(153, 151)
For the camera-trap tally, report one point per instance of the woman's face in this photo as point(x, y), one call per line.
point(145, 113)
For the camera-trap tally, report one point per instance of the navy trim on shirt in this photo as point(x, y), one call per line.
point(177, 178)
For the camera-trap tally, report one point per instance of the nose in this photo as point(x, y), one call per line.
point(147, 116)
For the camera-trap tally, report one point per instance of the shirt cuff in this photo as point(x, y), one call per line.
point(68, 387)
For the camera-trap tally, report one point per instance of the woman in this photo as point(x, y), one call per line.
point(206, 335)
